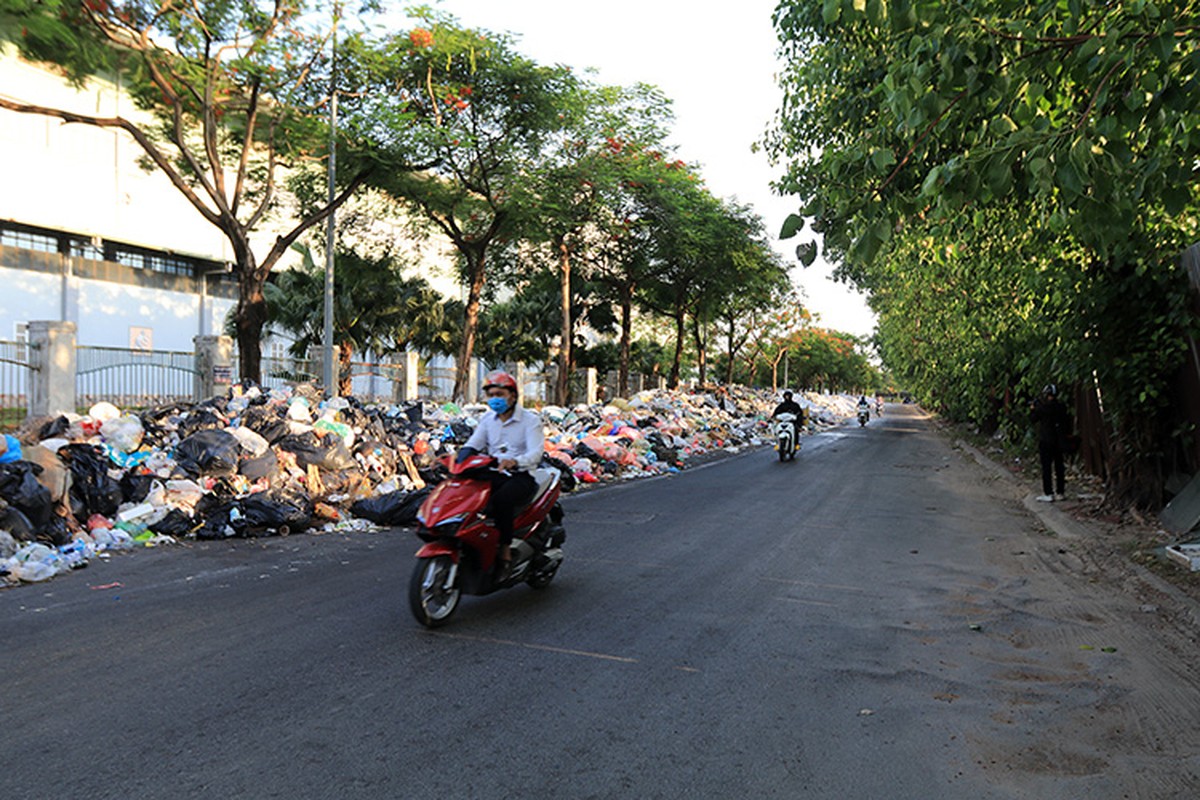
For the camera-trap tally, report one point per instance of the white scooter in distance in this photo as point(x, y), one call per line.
point(787, 441)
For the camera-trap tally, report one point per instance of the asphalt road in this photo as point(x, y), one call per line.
point(874, 620)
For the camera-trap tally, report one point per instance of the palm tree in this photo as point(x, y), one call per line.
point(375, 308)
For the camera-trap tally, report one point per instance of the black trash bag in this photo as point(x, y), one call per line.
point(93, 490)
point(293, 495)
point(208, 452)
point(269, 423)
point(55, 531)
point(175, 523)
point(19, 487)
point(265, 466)
point(54, 429)
point(16, 523)
point(220, 404)
point(134, 487)
point(201, 419)
point(462, 431)
point(263, 513)
point(583, 451)
point(396, 508)
point(159, 423)
point(219, 522)
point(328, 454)
point(566, 476)
point(433, 474)
point(210, 505)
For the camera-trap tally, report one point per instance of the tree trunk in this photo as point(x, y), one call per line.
point(251, 315)
point(775, 372)
point(626, 336)
point(470, 324)
point(732, 352)
point(673, 381)
point(701, 351)
point(345, 379)
point(562, 386)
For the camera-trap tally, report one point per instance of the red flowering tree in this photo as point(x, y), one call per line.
point(214, 75)
point(238, 90)
point(483, 116)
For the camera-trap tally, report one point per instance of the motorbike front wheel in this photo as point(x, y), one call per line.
point(431, 602)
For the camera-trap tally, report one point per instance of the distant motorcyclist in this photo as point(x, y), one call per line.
point(864, 407)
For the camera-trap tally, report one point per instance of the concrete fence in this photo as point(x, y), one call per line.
point(50, 374)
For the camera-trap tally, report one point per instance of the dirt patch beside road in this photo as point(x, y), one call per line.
point(1089, 657)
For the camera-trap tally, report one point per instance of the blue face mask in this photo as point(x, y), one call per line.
point(498, 404)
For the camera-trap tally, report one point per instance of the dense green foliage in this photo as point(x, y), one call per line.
point(1012, 182)
point(405, 312)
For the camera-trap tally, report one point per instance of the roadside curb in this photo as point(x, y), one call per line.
point(1068, 528)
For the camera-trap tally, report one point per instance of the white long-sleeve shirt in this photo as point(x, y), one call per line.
point(520, 438)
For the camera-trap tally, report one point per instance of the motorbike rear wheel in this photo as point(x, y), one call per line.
point(431, 603)
point(540, 580)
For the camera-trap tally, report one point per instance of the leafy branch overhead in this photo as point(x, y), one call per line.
point(1039, 155)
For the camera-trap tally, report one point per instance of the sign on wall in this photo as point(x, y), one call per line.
point(141, 338)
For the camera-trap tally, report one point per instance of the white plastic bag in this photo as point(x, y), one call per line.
point(124, 433)
point(251, 442)
point(36, 562)
point(103, 412)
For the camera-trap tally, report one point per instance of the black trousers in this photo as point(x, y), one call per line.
point(509, 492)
point(1052, 454)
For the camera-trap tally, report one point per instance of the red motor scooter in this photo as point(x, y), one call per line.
point(462, 544)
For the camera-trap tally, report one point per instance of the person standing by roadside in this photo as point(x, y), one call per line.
point(1053, 426)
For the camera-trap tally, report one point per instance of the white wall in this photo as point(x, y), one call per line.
point(104, 312)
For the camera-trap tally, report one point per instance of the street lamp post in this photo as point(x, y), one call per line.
point(328, 369)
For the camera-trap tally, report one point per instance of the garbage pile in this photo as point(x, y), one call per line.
point(262, 463)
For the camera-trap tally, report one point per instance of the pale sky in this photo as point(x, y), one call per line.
point(717, 65)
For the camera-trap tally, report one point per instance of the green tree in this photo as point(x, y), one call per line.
point(1035, 154)
point(483, 115)
point(236, 88)
point(572, 203)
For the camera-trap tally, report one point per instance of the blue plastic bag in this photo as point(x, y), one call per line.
point(13, 453)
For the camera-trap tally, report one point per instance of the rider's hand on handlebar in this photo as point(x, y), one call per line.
point(506, 465)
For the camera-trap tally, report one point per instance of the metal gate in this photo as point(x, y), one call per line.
point(133, 378)
point(16, 378)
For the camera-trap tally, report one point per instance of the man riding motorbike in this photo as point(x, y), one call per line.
point(790, 406)
point(512, 435)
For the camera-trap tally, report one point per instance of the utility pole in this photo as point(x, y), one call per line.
point(328, 369)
